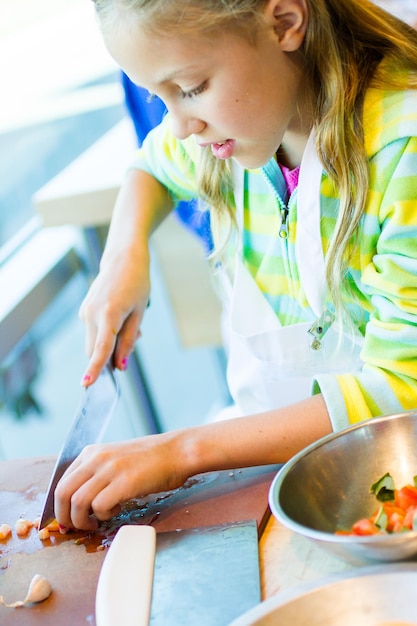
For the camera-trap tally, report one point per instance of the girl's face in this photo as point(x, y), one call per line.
point(240, 99)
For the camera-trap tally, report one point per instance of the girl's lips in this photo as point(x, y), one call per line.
point(223, 150)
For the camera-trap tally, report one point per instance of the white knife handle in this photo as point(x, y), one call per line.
point(124, 589)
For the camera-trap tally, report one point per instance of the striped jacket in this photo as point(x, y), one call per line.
point(382, 271)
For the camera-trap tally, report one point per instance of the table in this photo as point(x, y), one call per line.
point(286, 559)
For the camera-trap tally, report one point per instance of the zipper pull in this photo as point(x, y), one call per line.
point(320, 328)
point(283, 230)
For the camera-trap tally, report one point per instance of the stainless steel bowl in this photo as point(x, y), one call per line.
point(326, 487)
point(377, 595)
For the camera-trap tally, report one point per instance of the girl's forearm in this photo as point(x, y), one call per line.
point(114, 305)
point(267, 438)
point(105, 475)
point(141, 205)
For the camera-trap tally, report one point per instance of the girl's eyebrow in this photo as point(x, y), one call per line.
point(182, 72)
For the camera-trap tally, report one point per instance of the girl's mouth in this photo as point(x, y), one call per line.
point(223, 150)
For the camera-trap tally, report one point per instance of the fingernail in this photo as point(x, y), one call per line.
point(62, 529)
point(85, 380)
point(123, 364)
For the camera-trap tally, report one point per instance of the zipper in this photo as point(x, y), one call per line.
point(283, 208)
point(283, 229)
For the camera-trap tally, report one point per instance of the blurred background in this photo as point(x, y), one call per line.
point(61, 92)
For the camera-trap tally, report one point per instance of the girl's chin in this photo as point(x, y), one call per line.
point(250, 162)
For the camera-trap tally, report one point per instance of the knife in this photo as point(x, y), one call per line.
point(124, 588)
point(89, 424)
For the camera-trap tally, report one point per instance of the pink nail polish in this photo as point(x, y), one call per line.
point(62, 529)
point(123, 364)
point(86, 379)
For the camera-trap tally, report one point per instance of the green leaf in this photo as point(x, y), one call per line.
point(384, 488)
point(381, 519)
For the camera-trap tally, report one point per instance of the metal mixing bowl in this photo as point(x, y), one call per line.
point(326, 487)
point(379, 594)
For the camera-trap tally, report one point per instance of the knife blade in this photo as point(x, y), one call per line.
point(88, 426)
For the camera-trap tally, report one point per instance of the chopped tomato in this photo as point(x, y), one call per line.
point(394, 515)
point(365, 527)
point(409, 516)
point(406, 497)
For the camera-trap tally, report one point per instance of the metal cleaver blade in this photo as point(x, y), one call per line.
point(88, 426)
point(206, 576)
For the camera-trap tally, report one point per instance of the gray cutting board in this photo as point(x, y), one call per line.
point(205, 576)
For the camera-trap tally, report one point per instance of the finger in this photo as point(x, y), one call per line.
point(103, 350)
point(79, 472)
point(90, 333)
point(73, 500)
point(105, 505)
point(86, 511)
point(63, 500)
point(126, 340)
point(80, 513)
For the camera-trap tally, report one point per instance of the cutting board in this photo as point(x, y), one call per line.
point(72, 562)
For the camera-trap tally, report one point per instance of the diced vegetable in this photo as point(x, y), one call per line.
point(397, 513)
point(5, 531)
point(381, 519)
point(44, 534)
point(53, 526)
point(384, 488)
point(23, 527)
point(365, 527)
point(406, 497)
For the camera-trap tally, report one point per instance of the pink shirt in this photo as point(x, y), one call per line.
point(291, 177)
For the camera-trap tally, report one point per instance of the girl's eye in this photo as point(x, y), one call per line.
point(194, 92)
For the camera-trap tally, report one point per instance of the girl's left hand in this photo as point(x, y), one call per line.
point(105, 475)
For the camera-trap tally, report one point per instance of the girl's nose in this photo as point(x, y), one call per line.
point(183, 125)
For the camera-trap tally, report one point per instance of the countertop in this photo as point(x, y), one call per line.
point(72, 562)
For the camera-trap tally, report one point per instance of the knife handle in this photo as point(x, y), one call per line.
point(124, 589)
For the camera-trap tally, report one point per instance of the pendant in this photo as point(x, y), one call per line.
point(320, 328)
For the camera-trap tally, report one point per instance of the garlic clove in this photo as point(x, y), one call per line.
point(39, 590)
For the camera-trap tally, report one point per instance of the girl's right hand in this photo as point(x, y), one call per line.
point(113, 310)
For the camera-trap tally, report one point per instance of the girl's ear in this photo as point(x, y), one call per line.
point(288, 18)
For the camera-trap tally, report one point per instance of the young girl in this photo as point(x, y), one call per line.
point(296, 122)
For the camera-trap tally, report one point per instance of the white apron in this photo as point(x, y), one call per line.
point(270, 365)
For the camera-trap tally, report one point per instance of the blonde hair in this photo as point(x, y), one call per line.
point(345, 42)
